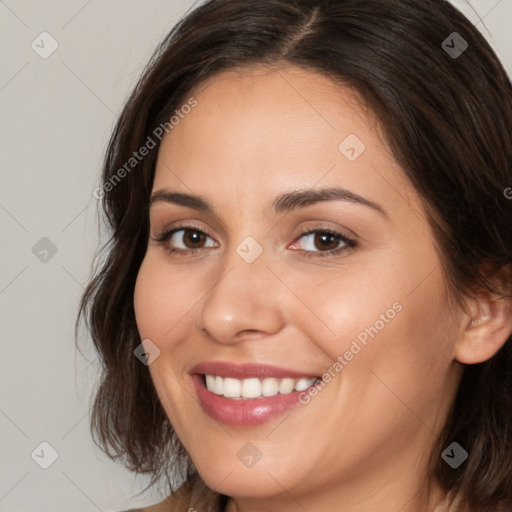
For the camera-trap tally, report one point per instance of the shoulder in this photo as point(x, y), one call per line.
point(163, 506)
point(191, 495)
point(166, 505)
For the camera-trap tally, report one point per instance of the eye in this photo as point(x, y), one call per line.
point(184, 240)
point(191, 239)
point(325, 242)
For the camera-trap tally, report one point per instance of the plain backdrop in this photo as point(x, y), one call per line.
point(56, 116)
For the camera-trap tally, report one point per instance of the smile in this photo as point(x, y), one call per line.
point(248, 395)
point(254, 387)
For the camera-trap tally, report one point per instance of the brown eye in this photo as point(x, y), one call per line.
point(322, 240)
point(184, 239)
point(325, 241)
point(193, 238)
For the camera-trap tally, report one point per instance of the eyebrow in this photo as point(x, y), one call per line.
point(284, 203)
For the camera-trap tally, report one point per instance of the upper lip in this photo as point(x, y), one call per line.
point(247, 370)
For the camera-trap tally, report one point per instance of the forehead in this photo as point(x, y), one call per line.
point(275, 129)
point(289, 103)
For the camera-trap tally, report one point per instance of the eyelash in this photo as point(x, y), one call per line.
point(349, 243)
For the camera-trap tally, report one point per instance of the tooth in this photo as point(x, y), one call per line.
point(270, 387)
point(303, 384)
point(286, 386)
point(251, 388)
point(219, 386)
point(254, 388)
point(232, 388)
point(210, 383)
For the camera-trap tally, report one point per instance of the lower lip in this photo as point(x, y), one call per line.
point(247, 413)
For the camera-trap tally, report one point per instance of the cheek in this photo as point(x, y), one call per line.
point(162, 300)
point(340, 306)
point(407, 364)
point(165, 302)
point(146, 301)
point(396, 352)
point(380, 320)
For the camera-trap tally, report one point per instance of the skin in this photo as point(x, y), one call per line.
point(363, 443)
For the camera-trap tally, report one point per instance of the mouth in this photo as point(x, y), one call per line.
point(248, 395)
point(255, 388)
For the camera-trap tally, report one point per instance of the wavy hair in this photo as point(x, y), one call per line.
point(448, 122)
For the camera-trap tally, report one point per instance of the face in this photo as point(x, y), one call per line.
point(303, 254)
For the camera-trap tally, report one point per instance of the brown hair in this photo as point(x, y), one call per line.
point(448, 122)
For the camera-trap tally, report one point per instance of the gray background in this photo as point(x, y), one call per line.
point(56, 117)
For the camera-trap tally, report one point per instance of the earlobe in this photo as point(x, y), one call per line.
point(487, 331)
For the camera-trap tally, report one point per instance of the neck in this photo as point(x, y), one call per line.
point(379, 498)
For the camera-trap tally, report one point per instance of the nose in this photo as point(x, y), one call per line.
point(245, 300)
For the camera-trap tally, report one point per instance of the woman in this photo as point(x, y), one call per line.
point(306, 303)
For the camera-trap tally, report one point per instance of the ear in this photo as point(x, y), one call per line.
point(486, 331)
